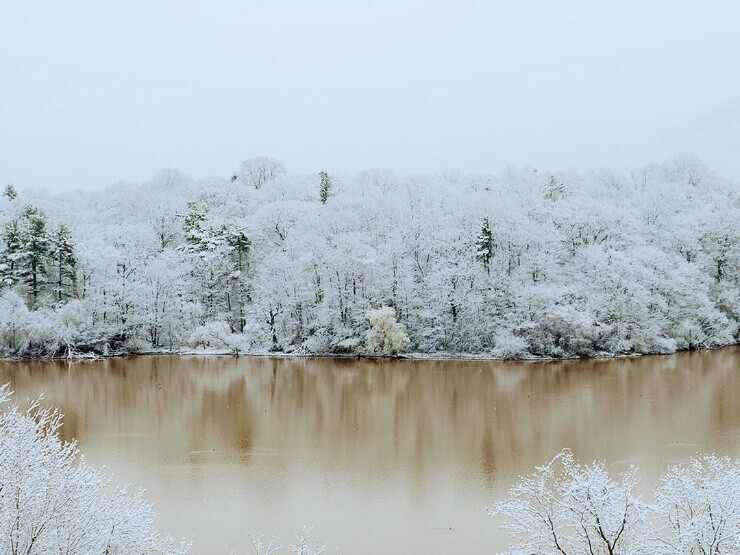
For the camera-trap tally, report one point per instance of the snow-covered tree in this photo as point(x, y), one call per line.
point(53, 502)
point(485, 246)
point(194, 228)
point(10, 192)
point(569, 508)
point(32, 257)
point(325, 186)
point(386, 336)
point(64, 262)
point(14, 328)
point(698, 507)
point(257, 171)
point(518, 264)
point(11, 253)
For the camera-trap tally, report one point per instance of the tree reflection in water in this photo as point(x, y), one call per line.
point(374, 453)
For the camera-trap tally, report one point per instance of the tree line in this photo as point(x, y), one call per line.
point(520, 263)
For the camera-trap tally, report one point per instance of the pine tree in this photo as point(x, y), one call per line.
point(11, 253)
point(65, 263)
point(325, 187)
point(34, 251)
point(10, 192)
point(237, 239)
point(194, 228)
point(485, 245)
point(554, 189)
point(26, 252)
point(239, 244)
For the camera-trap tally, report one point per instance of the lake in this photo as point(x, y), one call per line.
point(378, 456)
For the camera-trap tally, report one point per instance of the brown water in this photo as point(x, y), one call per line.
point(379, 457)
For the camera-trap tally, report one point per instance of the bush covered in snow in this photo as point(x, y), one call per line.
point(385, 336)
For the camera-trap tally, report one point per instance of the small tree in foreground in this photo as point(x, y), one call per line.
point(385, 336)
point(567, 508)
point(53, 502)
point(698, 507)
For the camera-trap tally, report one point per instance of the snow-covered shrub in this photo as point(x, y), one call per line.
point(13, 320)
point(705, 327)
point(46, 335)
point(386, 336)
point(218, 335)
point(350, 345)
point(60, 330)
point(563, 331)
point(509, 346)
point(663, 346)
point(254, 337)
point(315, 344)
point(211, 335)
point(53, 502)
point(136, 345)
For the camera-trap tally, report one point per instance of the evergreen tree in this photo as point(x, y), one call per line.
point(194, 228)
point(11, 253)
point(325, 186)
point(10, 192)
point(65, 263)
point(34, 251)
point(237, 239)
point(554, 189)
point(484, 245)
point(239, 245)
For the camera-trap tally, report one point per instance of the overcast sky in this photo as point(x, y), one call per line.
point(96, 91)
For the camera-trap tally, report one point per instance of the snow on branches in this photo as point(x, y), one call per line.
point(566, 508)
point(520, 264)
point(385, 336)
point(51, 501)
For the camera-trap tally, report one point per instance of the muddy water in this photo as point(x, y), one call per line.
point(379, 457)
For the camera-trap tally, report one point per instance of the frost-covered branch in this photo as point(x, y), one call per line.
point(569, 508)
point(51, 501)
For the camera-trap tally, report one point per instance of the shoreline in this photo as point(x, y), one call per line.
point(480, 357)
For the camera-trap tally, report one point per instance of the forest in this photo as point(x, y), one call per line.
point(521, 263)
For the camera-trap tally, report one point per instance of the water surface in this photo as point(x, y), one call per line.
point(377, 456)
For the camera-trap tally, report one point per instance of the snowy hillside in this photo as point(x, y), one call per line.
point(520, 263)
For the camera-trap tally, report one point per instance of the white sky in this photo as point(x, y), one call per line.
point(96, 91)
